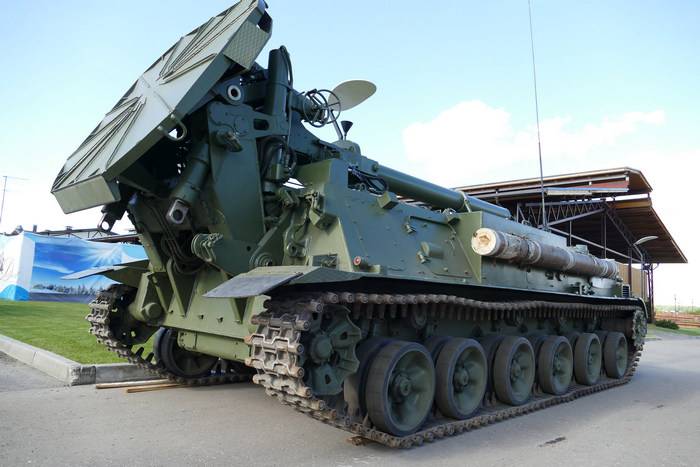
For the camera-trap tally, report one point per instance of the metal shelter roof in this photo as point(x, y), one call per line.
point(623, 180)
point(606, 209)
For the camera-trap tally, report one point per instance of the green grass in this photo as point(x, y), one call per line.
point(55, 326)
point(666, 324)
point(682, 330)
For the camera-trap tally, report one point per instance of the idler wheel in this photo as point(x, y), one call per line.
point(587, 359)
point(555, 365)
point(615, 354)
point(514, 370)
point(179, 361)
point(461, 373)
point(400, 388)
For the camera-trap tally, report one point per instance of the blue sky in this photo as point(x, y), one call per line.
point(618, 85)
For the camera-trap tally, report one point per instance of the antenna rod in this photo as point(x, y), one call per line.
point(537, 116)
point(2, 203)
point(4, 191)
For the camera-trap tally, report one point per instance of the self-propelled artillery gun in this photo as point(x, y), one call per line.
point(370, 299)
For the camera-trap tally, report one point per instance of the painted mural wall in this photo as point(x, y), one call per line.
point(33, 266)
point(15, 267)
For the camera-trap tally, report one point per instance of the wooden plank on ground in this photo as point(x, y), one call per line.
point(154, 387)
point(128, 384)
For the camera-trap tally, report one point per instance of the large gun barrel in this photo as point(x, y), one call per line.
point(502, 245)
point(435, 195)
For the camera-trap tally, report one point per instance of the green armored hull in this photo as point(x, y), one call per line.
point(370, 299)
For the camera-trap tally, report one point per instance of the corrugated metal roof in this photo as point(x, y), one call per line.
point(632, 181)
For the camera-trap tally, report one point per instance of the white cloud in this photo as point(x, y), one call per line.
point(562, 141)
point(473, 142)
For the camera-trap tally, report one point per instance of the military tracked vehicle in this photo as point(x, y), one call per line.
point(369, 299)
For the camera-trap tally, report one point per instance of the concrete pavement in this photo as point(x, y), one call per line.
point(651, 421)
point(16, 376)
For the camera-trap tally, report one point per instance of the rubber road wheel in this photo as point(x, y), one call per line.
point(179, 361)
point(490, 345)
point(354, 385)
point(536, 341)
point(460, 374)
point(435, 344)
point(514, 370)
point(587, 359)
point(573, 337)
point(157, 343)
point(615, 354)
point(555, 365)
point(400, 388)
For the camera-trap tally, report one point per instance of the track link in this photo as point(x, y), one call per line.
point(101, 310)
point(277, 353)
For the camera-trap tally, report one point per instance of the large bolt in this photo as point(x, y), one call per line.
point(460, 379)
point(401, 387)
point(557, 364)
point(321, 348)
point(515, 370)
point(229, 139)
point(151, 310)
